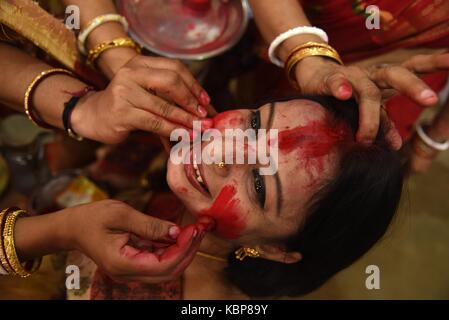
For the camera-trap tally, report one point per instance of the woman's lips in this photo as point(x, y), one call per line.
point(192, 177)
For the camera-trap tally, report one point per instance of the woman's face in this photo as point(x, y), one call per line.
point(250, 208)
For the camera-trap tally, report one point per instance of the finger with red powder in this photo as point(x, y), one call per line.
point(206, 223)
point(150, 264)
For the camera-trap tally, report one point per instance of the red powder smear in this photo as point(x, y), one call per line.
point(313, 142)
point(229, 222)
point(183, 190)
point(228, 120)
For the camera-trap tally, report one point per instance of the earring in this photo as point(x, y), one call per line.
point(221, 165)
point(244, 252)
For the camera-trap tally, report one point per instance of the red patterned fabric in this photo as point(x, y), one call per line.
point(404, 24)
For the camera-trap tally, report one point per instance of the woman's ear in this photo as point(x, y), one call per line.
point(278, 253)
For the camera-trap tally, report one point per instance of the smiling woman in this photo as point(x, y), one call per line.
point(331, 200)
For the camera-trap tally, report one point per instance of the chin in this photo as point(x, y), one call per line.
point(180, 186)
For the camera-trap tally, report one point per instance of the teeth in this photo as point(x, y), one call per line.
point(195, 165)
point(197, 171)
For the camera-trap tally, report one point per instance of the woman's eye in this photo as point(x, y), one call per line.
point(255, 120)
point(259, 186)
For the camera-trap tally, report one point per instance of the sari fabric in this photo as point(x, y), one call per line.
point(28, 20)
point(404, 24)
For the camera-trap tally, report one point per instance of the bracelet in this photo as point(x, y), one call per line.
point(69, 106)
point(29, 267)
point(6, 268)
point(30, 112)
point(291, 33)
point(311, 44)
point(95, 23)
point(116, 43)
point(429, 141)
point(309, 50)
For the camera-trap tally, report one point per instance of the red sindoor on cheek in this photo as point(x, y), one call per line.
point(229, 221)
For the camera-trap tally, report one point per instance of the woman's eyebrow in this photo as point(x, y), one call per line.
point(271, 115)
point(279, 198)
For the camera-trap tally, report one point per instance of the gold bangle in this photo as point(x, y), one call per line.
point(31, 113)
point(95, 53)
point(310, 44)
point(10, 248)
point(4, 262)
point(299, 55)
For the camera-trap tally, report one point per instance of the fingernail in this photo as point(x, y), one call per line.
point(207, 222)
point(345, 90)
point(207, 124)
point(204, 98)
point(174, 232)
point(202, 111)
point(428, 94)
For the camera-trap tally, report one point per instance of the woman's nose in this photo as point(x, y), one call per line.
point(233, 157)
point(229, 120)
point(221, 169)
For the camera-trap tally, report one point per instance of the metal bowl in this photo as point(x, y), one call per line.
point(173, 29)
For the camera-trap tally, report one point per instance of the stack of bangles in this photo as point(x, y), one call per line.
point(10, 262)
point(309, 49)
point(69, 106)
point(99, 49)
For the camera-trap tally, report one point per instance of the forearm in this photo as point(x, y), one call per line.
point(111, 60)
point(274, 18)
point(18, 70)
point(439, 130)
point(41, 235)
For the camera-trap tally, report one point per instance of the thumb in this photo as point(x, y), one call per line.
point(338, 85)
point(151, 228)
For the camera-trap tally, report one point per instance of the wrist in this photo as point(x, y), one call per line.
point(79, 119)
point(41, 235)
point(66, 233)
point(307, 67)
point(112, 60)
point(438, 132)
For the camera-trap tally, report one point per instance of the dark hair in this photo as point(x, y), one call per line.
point(345, 218)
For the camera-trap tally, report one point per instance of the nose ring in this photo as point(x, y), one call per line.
point(221, 165)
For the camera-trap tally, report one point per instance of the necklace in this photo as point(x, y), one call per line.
point(212, 257)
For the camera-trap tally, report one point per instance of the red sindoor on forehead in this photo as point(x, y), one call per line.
point(314, 140)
